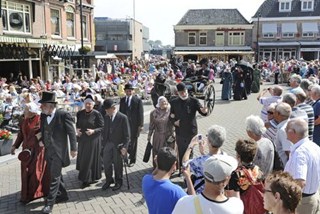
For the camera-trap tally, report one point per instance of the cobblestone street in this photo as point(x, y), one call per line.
point(230, 114)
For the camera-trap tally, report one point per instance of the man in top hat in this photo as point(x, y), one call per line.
point(116, 136)
point(183, 116)
point(131, 105)
point(57, 127)
point(217, 172)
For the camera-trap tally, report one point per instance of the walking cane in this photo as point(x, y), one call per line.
point(125, 163)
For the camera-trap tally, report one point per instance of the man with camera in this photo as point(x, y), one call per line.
point(116, 137)
point(275, 93)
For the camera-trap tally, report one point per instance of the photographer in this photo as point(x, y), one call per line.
point(216, 136)
point(275, 93)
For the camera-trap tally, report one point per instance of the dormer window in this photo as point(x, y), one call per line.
point(285, 5)
point(307, 5)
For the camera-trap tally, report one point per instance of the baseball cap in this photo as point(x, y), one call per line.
point(218, 167)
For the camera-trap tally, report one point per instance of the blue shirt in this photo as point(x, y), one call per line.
point(161, 195)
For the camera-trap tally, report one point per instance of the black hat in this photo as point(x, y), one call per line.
point(181, 86)
point(48, 97)
point(108, 103)
point(89, 97)
point(128, 86)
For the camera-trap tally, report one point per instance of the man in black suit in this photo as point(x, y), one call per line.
point(57, 127)
point(116, 136)
point(183, 116)
point(132, 106)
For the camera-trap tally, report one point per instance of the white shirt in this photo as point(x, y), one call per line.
point(304, 164)
point(129, 102)
point(281, 141)
point(186, 204)
point(50, 118)
point(266, 101)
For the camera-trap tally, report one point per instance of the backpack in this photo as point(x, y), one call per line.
point(252, 197)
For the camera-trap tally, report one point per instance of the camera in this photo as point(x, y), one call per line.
point(185, 164)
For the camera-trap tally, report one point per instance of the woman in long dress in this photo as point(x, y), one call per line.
point(227, 84)
point(255, 87)
point(160, 126)
point(35, 178)
point(89, 126)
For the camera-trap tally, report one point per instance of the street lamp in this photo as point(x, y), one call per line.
point(257, 47)
point(133, 29)
point(81, 29)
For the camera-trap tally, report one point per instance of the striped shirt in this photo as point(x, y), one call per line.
point(271, 131)
point(304, 164)
point(310, 113)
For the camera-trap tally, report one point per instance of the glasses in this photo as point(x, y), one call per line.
point(269, 112)
point(266, 190)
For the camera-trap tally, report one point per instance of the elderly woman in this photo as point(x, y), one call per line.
point(89, 126)
point(216, 136)
point(160, 126)
point(282, 193)
point(265, 149)
point(35, 178)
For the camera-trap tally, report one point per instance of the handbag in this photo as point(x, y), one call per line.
point(252, 198)
point(147, 152)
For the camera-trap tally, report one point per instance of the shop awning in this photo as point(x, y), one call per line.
point(289, 28)
point(212, 52)
point(308, 27)
point(270, 44)
point(107, 56)
point(269, 28)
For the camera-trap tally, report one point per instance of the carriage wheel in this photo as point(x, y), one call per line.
point(209, 98)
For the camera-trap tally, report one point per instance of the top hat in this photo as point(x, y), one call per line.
point(108, 103)
point(48, 97)
point(181, 87)
point(128, 86)
point(89, 98)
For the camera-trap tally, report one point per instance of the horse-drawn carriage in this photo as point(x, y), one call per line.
point(167, 88)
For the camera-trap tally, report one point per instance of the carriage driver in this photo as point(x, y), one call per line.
point(183, 116)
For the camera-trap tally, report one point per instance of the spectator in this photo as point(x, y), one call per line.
point(300, 103)
point(216, 136)
point(294, 82)
point(291, 99)
point(160, 193)
point(271, 124)
point(217, 170)
point(275, 92)
point(282, 193)
point(315, 95)
point(264, 157)
point(281, 115)
point(304, 165)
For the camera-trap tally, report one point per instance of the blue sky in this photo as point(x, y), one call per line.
point(161, 16)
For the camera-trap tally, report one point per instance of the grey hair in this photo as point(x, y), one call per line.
point(296, 78)
point(216, 135)
point(299, 125)
point(290, 98)
point(284, 109)
point(316, 90)
point(255, 125)
point(305, 83)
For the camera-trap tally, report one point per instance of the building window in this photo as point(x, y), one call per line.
point(219, 39)
point(70, 21)
point(16, 17)
point(308, 34)
point(236, 38)
point(192, 38)
point(85, 27)
point(203, 38)
point(287, 35)
point(285, 5)
point(307, 5)
point(268, 35)
point(55, 22)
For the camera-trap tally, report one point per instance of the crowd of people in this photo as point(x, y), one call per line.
point(279, 161)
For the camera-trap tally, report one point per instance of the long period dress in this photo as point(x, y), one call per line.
point(35, 177)
point(89, 147)
point(161, 128)
point(227, 85)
